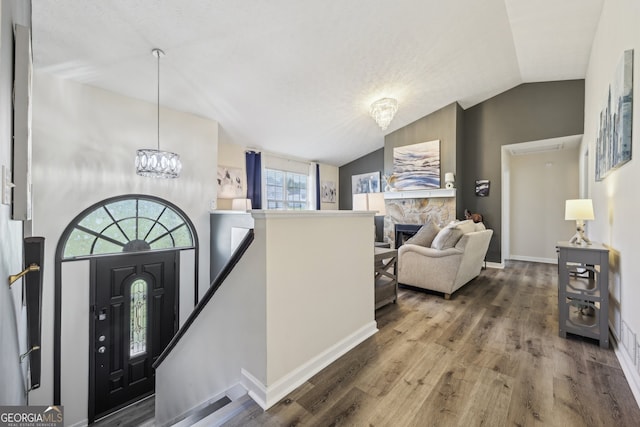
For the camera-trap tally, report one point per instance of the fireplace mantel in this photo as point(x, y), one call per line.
point(421, 194)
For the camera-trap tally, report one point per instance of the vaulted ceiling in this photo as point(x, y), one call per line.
point(297, 77)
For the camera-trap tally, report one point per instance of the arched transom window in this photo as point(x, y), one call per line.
point(127, 225)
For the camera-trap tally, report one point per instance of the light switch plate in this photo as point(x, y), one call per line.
point(7, 185)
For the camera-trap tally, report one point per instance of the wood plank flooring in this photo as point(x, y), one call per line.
point(490, 356)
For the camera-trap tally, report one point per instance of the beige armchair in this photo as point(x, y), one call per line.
point(443, 270)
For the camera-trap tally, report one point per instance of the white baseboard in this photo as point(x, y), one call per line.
point(629, 369)
point(82, 423)
point(267, 396)
point(498, 265)
point(199, 407)
point(534, 259)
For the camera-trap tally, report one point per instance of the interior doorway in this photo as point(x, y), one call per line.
point(537, 178)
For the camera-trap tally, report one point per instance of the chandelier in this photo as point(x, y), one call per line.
point(156, 163)
point(383, 111)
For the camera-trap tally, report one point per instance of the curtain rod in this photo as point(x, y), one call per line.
point(279, 156)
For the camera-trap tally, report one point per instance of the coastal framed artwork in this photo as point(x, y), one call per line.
point(613, 144)
point(365, 183)
point(230, 182)
point(417, 166)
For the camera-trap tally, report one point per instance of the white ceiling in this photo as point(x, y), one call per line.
point(297, 77)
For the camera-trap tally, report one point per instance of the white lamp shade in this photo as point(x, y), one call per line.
point(376, 203)
point(449, 177)
point(579, 209)
point(241, 204)
point(360, 202)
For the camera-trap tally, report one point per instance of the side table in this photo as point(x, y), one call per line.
point(385, 278)
point(583, 291)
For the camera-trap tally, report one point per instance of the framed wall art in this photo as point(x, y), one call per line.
point(482, 187)
point(417, 166)
point(613, 144)
point(365, 183)
point(328, 191)
point(230, 183)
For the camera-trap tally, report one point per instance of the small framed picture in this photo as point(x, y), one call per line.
point(482, 187)
point(365, 183)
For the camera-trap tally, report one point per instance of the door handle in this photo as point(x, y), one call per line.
point(102, 349)
point(101, 338)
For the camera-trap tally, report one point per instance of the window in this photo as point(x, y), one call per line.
point(138, 318)
point(127, 225)
point(286, 190)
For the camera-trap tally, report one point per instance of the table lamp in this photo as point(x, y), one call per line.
point(370, 202)
point(449, 180)
point(241, 205)
point(579, 210)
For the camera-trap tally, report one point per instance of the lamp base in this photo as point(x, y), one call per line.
point(579, 238)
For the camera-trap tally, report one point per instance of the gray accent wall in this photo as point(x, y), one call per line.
point(529, 112)
point(371, 162)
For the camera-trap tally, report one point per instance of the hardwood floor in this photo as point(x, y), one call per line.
point(139, 414)
point(489, 356)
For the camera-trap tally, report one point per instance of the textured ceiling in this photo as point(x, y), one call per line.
point(297, 77)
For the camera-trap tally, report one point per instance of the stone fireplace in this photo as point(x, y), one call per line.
point(418, 207)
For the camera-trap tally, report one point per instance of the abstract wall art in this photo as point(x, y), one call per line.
point(328, 191)
point(365, 183)
point(482, 187)
point(417, 166)
point(230, 183)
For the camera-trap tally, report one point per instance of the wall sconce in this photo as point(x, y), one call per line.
point(14, 277)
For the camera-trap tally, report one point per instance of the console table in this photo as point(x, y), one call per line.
point(385, 279)
point(583, 291)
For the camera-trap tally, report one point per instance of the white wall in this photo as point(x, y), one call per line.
point(84, 142)
point(301, 296)
point(12, 314)
point(615, 199)
point(539, 186)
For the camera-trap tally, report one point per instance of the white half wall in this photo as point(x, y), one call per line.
point(84, 143)
point(301, 297)
point(615, 199)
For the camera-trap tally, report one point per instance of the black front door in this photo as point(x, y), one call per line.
point(135, 317)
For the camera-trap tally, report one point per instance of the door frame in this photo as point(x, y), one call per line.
point(92, 308)
point(58, 289)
